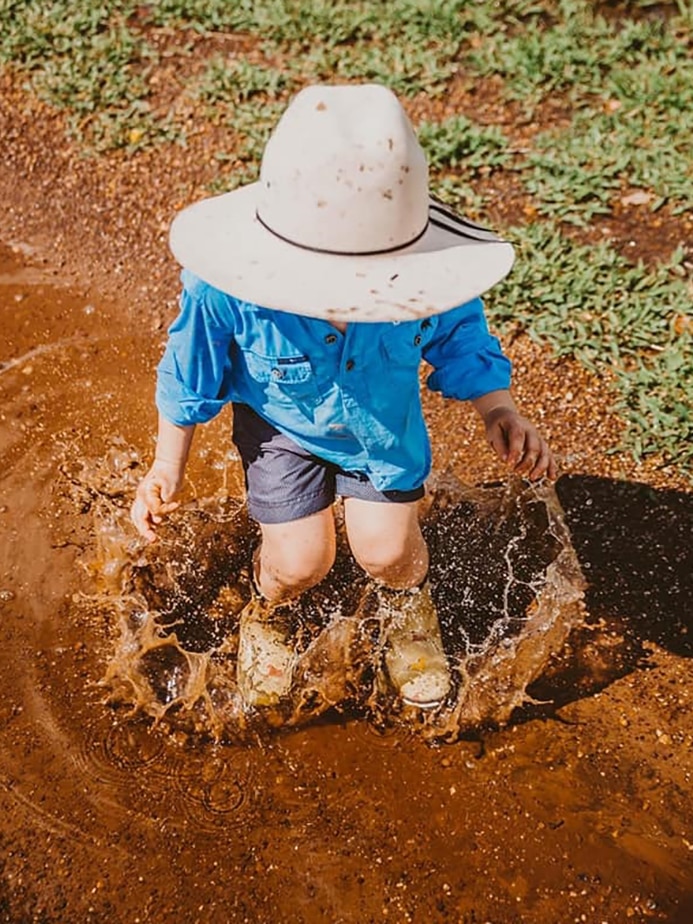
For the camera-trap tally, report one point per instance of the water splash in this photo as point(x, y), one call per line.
point(504, 575)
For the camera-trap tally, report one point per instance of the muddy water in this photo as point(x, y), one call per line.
point(361, 813)
point(505, 580)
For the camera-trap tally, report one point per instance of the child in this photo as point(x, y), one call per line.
point(309, 300)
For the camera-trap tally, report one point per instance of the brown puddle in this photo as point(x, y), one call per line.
point(354, 811)
point(177, 604)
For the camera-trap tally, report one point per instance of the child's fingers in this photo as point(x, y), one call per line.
point(507, 440)
point(517, 445)
point(498, 443)
point(149, 509)
point(150, 494)
point(543, 465)
point(536, 460)
point(143, 519)
point(531, 454)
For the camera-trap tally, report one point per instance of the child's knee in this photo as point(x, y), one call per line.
point(293, 567)
point(394, 559)
point(379, 557)
point(386, 541)
point(299, 574)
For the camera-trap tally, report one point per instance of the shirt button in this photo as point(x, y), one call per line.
point(277, 373)
point(331, 338)
point(417, 340)
point(349, 365)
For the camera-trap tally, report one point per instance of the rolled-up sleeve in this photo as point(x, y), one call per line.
point(193, 375)
point(467, 360)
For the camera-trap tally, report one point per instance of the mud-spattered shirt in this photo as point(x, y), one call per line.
point(350, 398)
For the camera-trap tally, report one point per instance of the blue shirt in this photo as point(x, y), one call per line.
point(352, 399)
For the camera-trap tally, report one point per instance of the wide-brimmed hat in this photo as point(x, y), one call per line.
point(340, 224)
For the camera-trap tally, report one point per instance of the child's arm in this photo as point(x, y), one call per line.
point(469, 365)
point(514, 438)
point(155, 493)
point(191, 389)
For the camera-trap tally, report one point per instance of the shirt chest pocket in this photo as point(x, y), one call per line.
point(284, 378)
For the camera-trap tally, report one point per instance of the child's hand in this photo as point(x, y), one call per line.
point(518, 443)
point(154, 498)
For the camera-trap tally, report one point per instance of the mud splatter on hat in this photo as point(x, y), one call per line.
point(340, 224)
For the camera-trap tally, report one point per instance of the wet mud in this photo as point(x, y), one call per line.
point(553, 786)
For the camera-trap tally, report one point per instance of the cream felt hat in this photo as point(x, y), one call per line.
point(340, 224)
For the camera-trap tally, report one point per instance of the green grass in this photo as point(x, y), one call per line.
point(622, 321)
point(409, 45)
point(541, 49)
point(459, 152)
point(638, 132)
point(238, 80)
point(620, 78)
point(305, 23)
point(85, 59)
point(463, 145)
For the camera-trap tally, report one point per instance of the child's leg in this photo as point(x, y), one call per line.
point(290, 493)
point(386, 541)
point(294, 556)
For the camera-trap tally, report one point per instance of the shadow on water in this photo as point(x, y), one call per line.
point(634, 546)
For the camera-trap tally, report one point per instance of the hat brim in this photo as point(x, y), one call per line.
point(222, 241)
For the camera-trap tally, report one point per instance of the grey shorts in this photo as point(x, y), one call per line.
point(286, 482)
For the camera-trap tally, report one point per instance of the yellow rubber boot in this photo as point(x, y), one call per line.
point(414, 654)
point(266, 654)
